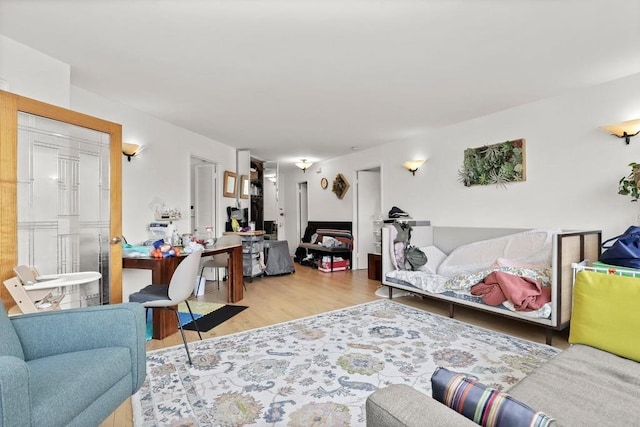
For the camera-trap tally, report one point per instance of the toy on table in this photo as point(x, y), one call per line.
point(164, 250)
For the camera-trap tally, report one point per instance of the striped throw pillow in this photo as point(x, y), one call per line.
point(481, 404)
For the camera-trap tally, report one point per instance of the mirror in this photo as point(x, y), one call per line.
point(244, 187)
point(204, 195)
point(229, 184)
point(270, 185)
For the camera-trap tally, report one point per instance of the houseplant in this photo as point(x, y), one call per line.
point(628, 185)
point(498, 164)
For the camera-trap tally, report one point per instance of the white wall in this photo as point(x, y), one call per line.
point(160, 173)
point(573, 168)
point(33, 74)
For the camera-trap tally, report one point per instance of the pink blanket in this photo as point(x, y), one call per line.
point(525, 294)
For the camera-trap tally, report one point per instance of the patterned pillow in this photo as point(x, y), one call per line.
point(481, 404)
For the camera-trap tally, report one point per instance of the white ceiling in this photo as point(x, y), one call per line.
point(293, 79)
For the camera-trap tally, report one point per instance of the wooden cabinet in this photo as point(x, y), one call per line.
point(375, 266)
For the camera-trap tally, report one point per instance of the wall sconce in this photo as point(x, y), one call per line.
point(130, 150)
point(413, 165)
point(304, 165)
point(624, 130)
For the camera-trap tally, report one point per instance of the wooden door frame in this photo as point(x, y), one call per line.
point(10, 105)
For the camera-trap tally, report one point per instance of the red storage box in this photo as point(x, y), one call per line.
point(338, 264)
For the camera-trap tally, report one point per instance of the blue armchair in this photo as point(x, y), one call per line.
point(70, 367)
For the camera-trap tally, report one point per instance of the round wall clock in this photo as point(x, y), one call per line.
point(324, 183)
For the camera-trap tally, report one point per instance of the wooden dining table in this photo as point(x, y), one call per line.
point(164, 321)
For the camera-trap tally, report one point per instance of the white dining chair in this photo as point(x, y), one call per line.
point(178, 290)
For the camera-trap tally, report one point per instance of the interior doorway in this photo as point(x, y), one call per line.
point(303, 208)
point(368, 208)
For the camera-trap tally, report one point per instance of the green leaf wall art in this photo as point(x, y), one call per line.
point(497, 164)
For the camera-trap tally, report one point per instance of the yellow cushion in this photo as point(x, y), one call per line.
point(606, 313)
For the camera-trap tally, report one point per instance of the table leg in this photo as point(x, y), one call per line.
point(164, 321)
point(235, 280)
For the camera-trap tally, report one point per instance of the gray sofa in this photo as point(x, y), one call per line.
point(582, 386)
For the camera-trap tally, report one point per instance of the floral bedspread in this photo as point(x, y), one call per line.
point(460, 285)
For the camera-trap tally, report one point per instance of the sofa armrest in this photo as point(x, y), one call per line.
point(63, 331)
point(400, 405)
point(15, 408)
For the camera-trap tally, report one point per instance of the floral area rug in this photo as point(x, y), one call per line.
point(319, 370)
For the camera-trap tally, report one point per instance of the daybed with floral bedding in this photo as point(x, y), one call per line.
point(521, 274)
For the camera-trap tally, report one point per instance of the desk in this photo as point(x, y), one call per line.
point(164, 322)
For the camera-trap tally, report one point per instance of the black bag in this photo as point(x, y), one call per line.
point(625, 251)
point(396, 212)
point(301, 254)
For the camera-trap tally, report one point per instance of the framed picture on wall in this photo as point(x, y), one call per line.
point(229, 189)
point(244, 186)
point(340, 186)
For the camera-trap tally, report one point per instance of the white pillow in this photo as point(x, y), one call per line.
point(533, 246)
point(434, 258)
point(504, 262)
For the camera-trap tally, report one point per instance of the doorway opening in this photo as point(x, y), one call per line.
point(368, 209)
point(303, 209)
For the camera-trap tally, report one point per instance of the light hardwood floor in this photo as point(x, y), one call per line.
point(308, 292)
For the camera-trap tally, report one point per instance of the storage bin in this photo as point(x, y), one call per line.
point(339, 264)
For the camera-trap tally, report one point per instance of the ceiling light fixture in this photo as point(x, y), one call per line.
point(304, 165)
point(413, 165)
point(130, 150)
point(624, 130)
